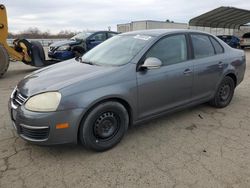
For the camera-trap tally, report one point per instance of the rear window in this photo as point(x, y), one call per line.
point(218, 48)
point(246, 35)
point(225, 37)
point(202, 46)
point(111, 35)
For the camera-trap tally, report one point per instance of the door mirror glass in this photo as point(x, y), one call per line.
point(152, 63)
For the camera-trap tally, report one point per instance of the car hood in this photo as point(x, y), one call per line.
point(61, 75)
point(64, 42)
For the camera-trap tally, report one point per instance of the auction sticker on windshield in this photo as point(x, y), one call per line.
point(142, 37)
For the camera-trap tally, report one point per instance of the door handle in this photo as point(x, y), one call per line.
point(187, 72)
point(220, 64)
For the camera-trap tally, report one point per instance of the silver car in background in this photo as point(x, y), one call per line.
point(126, 80)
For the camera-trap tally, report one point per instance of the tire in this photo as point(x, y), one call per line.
point(26, 43)
point(4, 61)
point(37, 55)
point(78, 51)
point(39, 46)
point(104, 126)
point(224, 93)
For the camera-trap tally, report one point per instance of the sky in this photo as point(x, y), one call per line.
point(79, 15)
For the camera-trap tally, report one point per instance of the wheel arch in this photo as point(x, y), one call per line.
point(233, 76)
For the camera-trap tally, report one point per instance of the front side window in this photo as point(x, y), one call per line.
point(202, 46)
point(170, 50)
point(99, 37)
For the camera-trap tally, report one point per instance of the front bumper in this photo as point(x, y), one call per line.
point(40, 128)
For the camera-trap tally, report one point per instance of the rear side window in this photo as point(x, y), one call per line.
point(170, 50)
point(99, 37)
point(202, 46)
point(218, 48)
point(111, 35)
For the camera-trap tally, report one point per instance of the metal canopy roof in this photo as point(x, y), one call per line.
point(222, 17)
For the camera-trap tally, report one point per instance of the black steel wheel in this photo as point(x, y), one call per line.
point(104, 126)
point(224, 93)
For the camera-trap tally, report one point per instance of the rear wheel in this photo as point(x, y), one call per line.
point(224, 93)
point(37, 54)
point(4, 61)
point(40, 49)
point(104, 126)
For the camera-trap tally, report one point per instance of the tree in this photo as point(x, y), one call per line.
point(35, 33)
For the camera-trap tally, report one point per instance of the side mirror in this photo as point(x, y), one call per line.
point(152, 63)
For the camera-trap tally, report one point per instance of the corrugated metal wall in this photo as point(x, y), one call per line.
point(165, 25)
point(148, 24)
point(141, 25)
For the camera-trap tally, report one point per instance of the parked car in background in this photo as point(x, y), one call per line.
point(245, 41)
point(231, 40)
point(80, 43)
point(130, 78)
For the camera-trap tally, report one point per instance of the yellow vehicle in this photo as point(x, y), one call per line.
point(30, 53)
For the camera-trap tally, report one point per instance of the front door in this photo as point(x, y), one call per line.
point(171, 84)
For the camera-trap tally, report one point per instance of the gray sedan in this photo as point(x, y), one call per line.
point(128, 79)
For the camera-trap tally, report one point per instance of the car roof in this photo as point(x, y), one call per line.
point(159, 32)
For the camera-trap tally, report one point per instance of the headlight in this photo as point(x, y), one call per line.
point(63, 48)
point(45, 102)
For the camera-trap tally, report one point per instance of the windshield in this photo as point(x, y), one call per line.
point(116, 51)
point(225, 38)
point(246, 35)
point(81, 36)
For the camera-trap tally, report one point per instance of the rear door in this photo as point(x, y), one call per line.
point(208, 65)
point(171, 84)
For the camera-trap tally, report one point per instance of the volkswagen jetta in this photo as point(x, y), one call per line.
point(127, 79)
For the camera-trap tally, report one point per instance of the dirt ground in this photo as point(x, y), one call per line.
point(198, 147)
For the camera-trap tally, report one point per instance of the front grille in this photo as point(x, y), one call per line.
point(18, 99)
point(34, 133)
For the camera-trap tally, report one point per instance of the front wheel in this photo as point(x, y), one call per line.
point(224, 93)
point(104, 126)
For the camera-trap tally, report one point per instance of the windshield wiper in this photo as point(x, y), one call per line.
point(79, 59)
point(87, 62)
